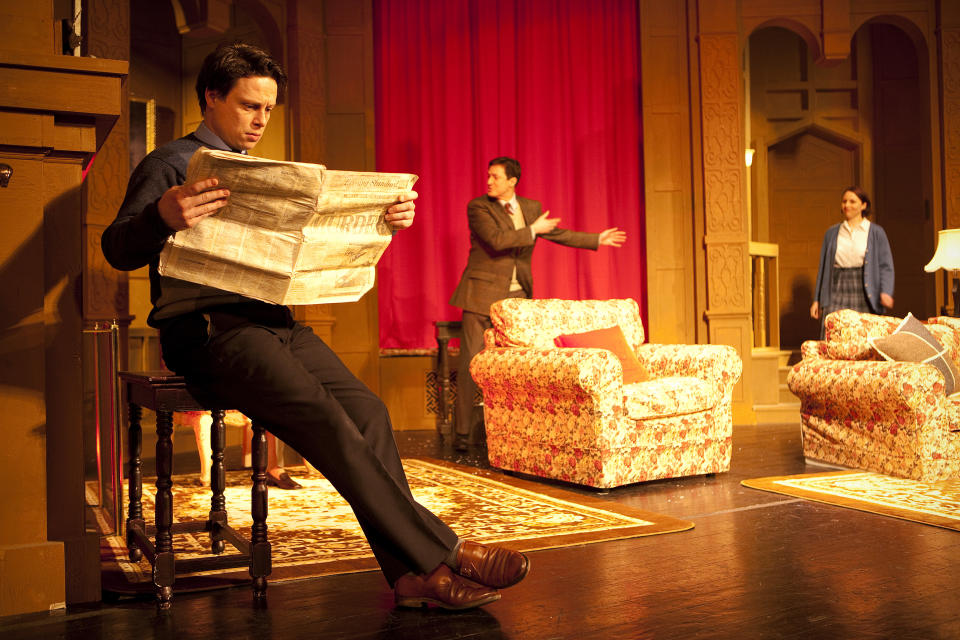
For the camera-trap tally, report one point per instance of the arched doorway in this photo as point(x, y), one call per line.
point(804, 172)
point(818, 129)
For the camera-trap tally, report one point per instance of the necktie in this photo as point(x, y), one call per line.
point(514, 215)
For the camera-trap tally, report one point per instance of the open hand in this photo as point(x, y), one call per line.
point(400, 215)
point(184, 206)
point(543, 224)
point(612, 237)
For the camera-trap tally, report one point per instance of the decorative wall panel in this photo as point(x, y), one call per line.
point(105, 294)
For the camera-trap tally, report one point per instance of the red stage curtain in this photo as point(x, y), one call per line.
point(552, 83)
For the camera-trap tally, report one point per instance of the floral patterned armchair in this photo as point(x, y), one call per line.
point(860, 411)
point(566, 414)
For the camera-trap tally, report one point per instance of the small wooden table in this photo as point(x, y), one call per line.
point(166, 393)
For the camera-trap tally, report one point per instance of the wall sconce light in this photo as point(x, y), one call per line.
point(748, 156)
point(947, 257)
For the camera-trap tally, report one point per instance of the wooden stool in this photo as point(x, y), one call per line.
point(165, 393)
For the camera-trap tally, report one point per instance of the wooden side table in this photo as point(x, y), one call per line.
point(445, 332)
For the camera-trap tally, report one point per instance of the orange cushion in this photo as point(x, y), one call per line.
point(611, 339)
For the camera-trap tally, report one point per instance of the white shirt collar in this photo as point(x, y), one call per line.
point(864, 225)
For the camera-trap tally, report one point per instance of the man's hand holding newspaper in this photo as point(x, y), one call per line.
point(289, 232)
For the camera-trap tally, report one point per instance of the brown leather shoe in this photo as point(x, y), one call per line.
point(443, 588)
point(493, 566)
point(283, 481)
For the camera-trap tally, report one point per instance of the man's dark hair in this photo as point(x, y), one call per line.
point(230, 62)
point(510, 166)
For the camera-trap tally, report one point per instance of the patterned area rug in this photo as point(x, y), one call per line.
point(934, 504)
point(313, 531)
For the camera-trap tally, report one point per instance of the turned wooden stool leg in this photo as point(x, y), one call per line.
point(163, 567)
point(259, 546)
point(218, 504)
point(134, 478)
point(444, 424)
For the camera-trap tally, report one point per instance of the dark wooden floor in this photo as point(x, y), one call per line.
point(757, 565)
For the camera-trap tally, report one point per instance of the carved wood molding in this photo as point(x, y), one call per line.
point(727, 258)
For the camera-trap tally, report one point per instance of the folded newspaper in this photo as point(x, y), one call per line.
point(290, 233)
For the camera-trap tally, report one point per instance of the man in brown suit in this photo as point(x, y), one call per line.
point(503, 231)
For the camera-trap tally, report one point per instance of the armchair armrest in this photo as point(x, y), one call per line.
point(813, 349)
point(717, 364)
point(827, 350)
point(534, 376)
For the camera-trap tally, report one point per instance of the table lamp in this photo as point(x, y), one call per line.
point(947, 256)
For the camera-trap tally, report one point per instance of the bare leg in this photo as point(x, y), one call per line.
point(201, 431)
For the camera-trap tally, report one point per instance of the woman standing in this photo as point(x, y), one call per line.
point(856, 266)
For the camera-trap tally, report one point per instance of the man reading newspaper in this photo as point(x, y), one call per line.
point(251, 355)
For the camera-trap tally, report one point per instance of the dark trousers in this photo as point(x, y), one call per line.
point(473, 326)
point(471, 343)
point(280, 373)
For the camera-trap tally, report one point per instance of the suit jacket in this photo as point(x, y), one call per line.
point(496, 247)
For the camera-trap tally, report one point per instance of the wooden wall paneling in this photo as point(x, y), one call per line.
point(801, 16)
point(404, 391)
point(63, 324)
point(307, 102)
point(349, 130)
point(27, 27)
point(949, 116)
point(667, 192)
point(106, 296)
point(306, 68)
point(901, 164)
point(726, 219)
point(46, 312)
point(836, 30)
point(31, 567)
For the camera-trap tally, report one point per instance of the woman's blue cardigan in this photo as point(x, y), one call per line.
point(877, 267)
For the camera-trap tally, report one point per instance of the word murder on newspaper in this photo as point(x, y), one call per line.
point(290, 233)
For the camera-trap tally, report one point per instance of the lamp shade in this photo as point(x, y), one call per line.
point(947, 255)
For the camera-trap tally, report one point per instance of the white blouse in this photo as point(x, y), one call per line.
point(851, 244)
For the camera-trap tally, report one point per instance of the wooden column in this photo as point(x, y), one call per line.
point(307, 100)
point(332, 118)
point(726, 219)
